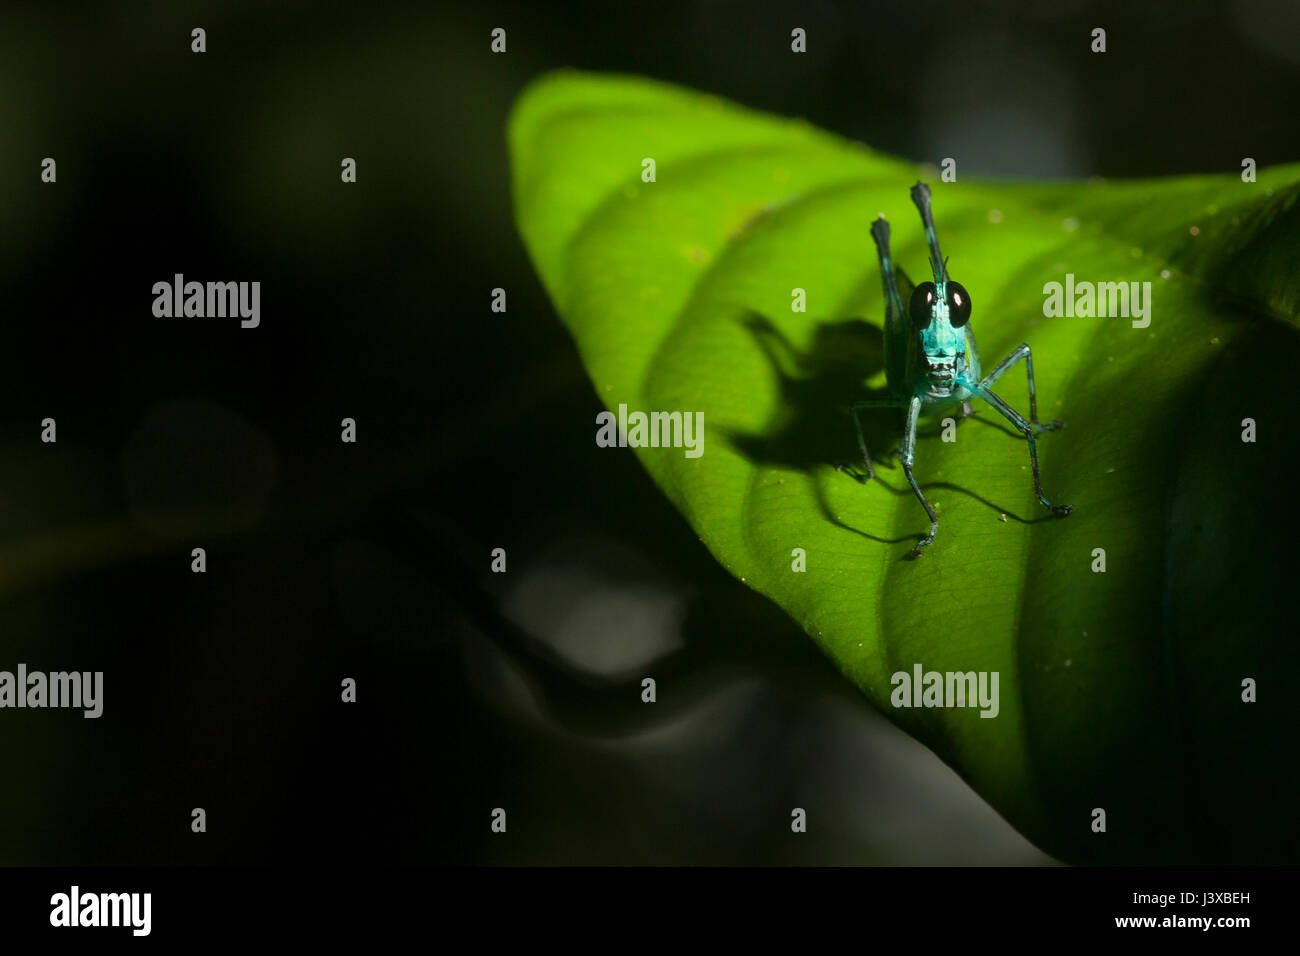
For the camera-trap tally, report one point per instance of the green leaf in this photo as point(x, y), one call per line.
point(1119, 690)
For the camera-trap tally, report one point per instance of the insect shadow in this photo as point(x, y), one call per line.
point(813, 427)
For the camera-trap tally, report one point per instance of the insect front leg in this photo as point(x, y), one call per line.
point(973, 364)
point(1027, 427)
point(908, 456)
point(972, 352)
point(1022, 352)
point(862, 441)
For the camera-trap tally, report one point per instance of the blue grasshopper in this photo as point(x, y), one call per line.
point(931, 360)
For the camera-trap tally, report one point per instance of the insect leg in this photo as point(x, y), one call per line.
point(909, 447)
point(1027, 427)
point(921, 197)
point(972, 365)
point(972, 351)
point(1022, 352)
point(893, 303)
point(857, 423)
point(896, 324)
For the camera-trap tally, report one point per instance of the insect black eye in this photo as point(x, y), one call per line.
point(958, 304)
point(923, 300)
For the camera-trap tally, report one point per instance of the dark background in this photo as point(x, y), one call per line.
point(475, 429)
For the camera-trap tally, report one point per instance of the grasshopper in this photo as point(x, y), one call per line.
point(931, 361)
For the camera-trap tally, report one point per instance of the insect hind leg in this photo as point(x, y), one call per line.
point(921, 199)
point(893, 302)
